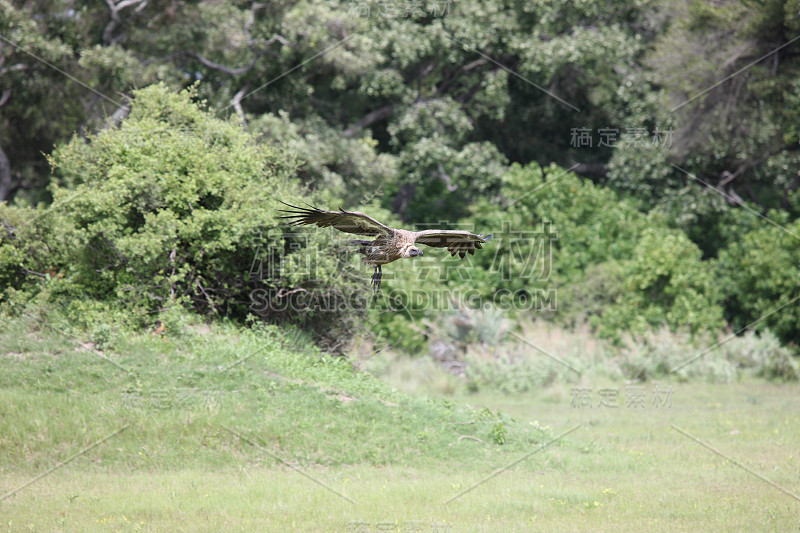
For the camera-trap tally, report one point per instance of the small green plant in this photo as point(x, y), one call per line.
point(499, 433)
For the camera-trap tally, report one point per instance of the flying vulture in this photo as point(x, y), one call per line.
point(390, 244)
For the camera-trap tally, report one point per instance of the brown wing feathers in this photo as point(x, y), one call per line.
point(346, 221)
point(463, 247)
point(456, 242)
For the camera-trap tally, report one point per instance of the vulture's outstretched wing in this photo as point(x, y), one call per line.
point(347, 221)
point(456, 241)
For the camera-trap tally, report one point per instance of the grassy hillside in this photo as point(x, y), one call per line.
point(215, 396)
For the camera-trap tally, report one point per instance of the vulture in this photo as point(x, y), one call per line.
point(390, 244)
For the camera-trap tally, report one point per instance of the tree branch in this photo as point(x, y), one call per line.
point(108, 33)
point(239, 70)
point(445, 177)
point(596, 170)
point(473, 64)
point(18, 66)
point(471, 92)
point(119, 115)
point(251, 19)
point(222, 68)
point(402, 199)
point(369, 119)
point(209, 300)
point(236, 102)
point(258, 49)
point(732, 197)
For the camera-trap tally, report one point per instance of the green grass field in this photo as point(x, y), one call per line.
point(221, 429)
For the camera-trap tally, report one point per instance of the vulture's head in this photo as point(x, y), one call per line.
point(411, 251)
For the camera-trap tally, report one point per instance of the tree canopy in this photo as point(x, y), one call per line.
point(158, 125)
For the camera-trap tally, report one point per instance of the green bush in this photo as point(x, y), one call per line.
point(27, 257)
point(584, 224)
point(174, 207)
point(665, 282)
point(609, 262)
point(760, 276)
point(169, 207)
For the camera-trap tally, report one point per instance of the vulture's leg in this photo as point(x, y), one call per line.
point(376, 279)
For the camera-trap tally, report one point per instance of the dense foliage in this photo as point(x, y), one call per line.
point(174, 207)
point(679, 120)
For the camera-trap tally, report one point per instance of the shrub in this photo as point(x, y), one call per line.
point(174, 207)
point(608, 261)
point(760, 275)
point(28, 255)
point(665, 283)
point(169, 207)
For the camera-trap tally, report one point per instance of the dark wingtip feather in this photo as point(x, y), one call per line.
point(287, 205)
point(301, 209)
point(298, 215)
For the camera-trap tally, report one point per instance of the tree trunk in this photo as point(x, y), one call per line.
point(5, 176)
